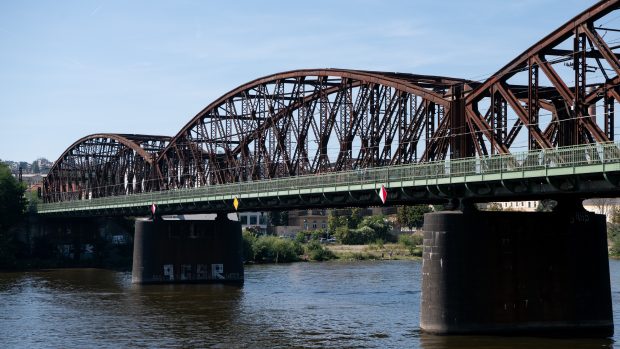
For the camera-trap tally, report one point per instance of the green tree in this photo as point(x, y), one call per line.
point(380, 226)
point(301, 237)
point(309, 235)
point(35, 167)
point(357, 236)
point(25, 166)
point(355, 218)
point(412, 216)
point(12, 206)
point(342, 234)
point(274, 249)
point(334, 222)
point(316, 252)
point(278, 218)
point(412, 242)
point(369, 230)
point(249, 240)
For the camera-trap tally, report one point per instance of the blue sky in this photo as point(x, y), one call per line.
point(72, 68)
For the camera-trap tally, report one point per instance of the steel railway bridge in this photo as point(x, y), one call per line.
point(543, 126)
point(559, 94)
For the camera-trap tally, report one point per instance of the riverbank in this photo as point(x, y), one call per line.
point(388, 251)
point(262, 249)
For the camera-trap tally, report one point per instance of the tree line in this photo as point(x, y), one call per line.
point(12, 210)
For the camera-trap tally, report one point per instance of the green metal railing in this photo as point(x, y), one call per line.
point(591, 158)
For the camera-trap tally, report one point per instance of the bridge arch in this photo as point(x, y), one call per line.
point(312, 121)
point(562, 91)
point(104, 164)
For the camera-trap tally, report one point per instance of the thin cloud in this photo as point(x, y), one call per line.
point(403, 30)
point(96, 10)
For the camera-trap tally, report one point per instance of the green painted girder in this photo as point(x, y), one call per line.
point(540, 166)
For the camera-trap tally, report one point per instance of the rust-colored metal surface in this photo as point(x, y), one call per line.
point(101, 165)
point(312, 121)
point(562, 91)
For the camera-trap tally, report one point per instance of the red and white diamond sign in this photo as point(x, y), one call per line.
point(383, 194)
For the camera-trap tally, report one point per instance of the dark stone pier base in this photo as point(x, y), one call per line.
point(191, 251)
point(516, 273)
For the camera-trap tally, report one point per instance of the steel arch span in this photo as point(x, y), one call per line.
point(562, 91)
point(312, 121)
point(102, 165)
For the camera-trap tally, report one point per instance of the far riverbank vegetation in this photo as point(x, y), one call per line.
point(613, 234)
point(350, 237)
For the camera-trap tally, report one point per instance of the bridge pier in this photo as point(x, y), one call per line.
point(187, 251)
point(516, 273)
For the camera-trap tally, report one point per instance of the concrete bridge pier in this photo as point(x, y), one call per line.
point(187, 251)
point(537, 273)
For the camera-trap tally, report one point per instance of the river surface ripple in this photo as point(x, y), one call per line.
point(301, 305)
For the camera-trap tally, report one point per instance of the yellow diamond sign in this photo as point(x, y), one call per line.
point(236, 203)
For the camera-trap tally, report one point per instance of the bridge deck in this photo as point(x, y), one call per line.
point(586, 170)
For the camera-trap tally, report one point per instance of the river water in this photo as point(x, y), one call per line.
point(301, 305)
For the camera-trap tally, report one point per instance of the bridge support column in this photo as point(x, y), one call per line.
point(187, 251)
point(516, 273)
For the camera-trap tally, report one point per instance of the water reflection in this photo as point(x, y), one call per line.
point(78, 280)
point(187, 314)
point(186, 310)
point(428, 341)
point(303, 305)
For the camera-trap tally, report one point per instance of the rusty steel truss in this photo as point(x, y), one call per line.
point(562, 91)
point(104, 165)
point(311, 121)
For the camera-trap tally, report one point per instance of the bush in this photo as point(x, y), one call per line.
point(412, 243)
point(342, 234)
point(272, 249)
point(410, 240)
point(613, 234)
point(369, 230)
point(615, 248)
point(418, 239)
point(317, 252)
point(301, 237)
point(380, 226)
point(276, 250)
point(416, 251)
point(357, 256)
point(317, 235)
point(309, 235)
point(358, 236)
point(406, 240)
point(249, 239)
point(376, 245)
point(613, 230)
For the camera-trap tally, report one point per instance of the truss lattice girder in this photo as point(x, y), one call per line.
point(360, 113)
point(328, 120)
point(102, 165)
point(571, 123)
